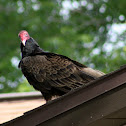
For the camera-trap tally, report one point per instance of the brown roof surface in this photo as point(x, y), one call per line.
point(101, 103)
point(13, 105)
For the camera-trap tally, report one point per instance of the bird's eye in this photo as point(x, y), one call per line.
point(26, 35)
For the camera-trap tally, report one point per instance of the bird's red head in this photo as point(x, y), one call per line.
point(24, 36)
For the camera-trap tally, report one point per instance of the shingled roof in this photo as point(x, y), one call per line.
point(99, 103)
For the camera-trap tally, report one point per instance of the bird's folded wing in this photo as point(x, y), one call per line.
point(57, 71)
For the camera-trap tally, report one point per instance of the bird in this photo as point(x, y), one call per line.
point(50, 73)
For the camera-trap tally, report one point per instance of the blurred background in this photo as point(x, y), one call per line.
point(92, 32)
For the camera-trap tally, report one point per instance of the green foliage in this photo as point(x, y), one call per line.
point(79, 29)
point(24, 87)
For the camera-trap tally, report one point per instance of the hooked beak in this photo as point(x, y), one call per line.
point(23, 42)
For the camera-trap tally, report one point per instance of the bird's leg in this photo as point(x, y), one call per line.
point(46, 96)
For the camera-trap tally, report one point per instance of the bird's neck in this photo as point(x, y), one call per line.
point(31, 48)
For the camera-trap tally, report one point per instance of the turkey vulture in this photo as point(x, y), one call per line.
point(52, 74)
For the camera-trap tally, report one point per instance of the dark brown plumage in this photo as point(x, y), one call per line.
point(52, 74)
